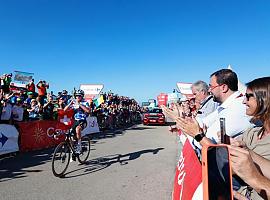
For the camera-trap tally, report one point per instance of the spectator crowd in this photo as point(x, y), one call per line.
point(247, 121)
point(247, 125)
point(35, 103)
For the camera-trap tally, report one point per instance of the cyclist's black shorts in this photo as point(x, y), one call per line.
point(82, 123)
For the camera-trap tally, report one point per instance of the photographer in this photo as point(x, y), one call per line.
point(48, 109)
point(34, 110)
point(42, 87)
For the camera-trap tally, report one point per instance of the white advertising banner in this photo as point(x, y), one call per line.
point(92, 126)
point(184, 88)
point(92, 89)
point(173, 97)
point(8, 139)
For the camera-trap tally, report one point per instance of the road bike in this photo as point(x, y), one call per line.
point(65, 151)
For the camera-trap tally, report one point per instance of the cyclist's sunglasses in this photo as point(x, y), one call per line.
point(248, 95)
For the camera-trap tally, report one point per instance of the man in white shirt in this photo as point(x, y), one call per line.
point(224, 88)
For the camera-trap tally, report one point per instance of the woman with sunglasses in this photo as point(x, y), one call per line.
point(254, 147)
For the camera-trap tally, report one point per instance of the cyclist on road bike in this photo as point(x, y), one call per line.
point(81, 111)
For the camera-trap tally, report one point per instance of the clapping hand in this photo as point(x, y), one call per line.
point(169, 113)
point(242, 163)
point(189, 125)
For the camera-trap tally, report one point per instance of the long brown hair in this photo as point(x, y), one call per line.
point(261, 90)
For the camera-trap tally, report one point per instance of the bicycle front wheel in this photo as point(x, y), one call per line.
point(83, 156)
point(61, 159)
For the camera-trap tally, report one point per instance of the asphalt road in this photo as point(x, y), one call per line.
point(133, 164)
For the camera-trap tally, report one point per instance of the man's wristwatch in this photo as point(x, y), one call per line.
point(199, 137)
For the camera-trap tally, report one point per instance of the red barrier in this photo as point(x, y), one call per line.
point(188, 176)
point(38, 135)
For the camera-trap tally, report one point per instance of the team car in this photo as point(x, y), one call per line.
point(154, 116)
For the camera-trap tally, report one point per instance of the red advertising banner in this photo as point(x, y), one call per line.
point(162, 99)
point(188, 176)
point(37, 135)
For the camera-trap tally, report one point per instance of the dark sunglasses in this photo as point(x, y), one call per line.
point(248, 95)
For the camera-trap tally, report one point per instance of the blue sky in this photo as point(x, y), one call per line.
point(137, 48)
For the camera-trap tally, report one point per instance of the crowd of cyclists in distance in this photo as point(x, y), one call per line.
point(29, 104)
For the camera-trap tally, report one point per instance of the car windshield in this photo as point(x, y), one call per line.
point(156, 111)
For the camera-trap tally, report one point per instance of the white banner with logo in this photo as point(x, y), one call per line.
point(173, 97)
point(8, 139)
point(184, 88)
point(91, 88)
point(92, 126)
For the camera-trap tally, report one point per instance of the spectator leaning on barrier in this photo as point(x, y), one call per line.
point(17, 111)
point(34, 110)
point(48, 109)
point(6, 111)
point(206, 103)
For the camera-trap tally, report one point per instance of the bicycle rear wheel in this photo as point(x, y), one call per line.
point(61, 159)
point(83, 156)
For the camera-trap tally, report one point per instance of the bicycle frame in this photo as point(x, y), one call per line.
point(68, 139)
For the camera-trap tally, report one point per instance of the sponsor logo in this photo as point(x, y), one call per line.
point(51, 131)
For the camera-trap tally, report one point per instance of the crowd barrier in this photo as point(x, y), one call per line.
point(8, 139)
point(37, 135)
point(187, 184)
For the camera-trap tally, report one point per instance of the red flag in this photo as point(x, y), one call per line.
point(65, 117)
